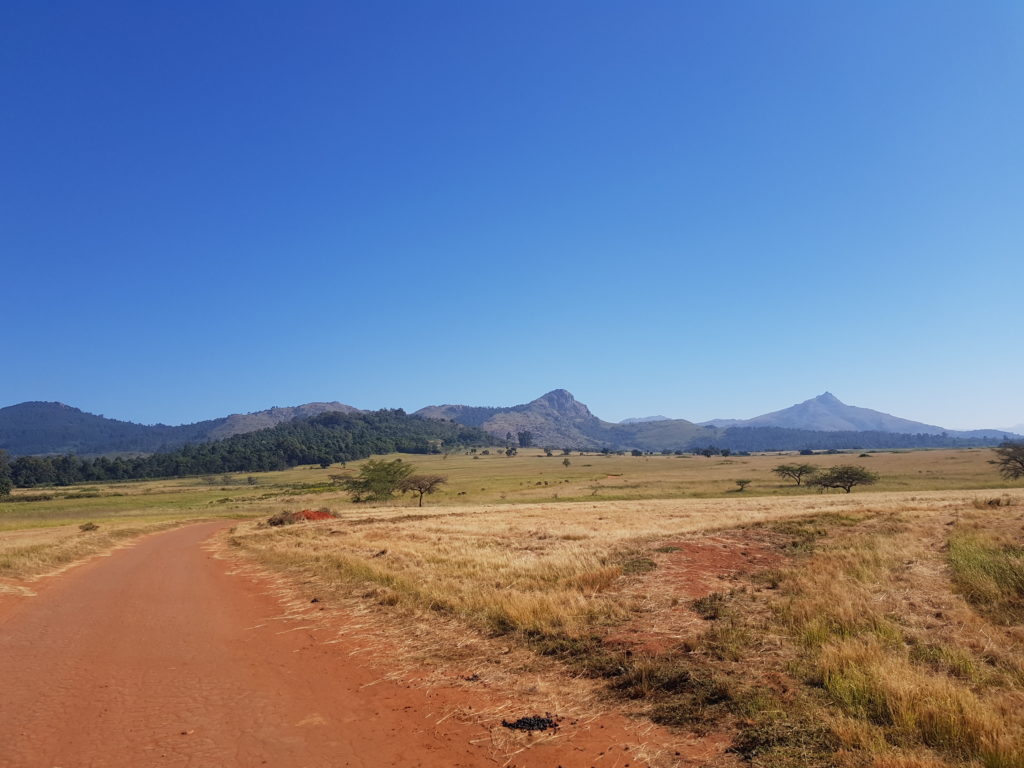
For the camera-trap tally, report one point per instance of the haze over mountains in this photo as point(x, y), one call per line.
point(556, 419)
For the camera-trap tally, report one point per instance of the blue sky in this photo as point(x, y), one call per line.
point(697, 209)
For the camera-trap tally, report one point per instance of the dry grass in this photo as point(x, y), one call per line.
point(34, 552)
point(540, 567)
point(861, 628)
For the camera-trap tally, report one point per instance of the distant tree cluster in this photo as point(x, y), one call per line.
point(324, 439)
point(845, 476)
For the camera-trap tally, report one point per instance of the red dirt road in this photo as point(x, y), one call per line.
point(157, 656)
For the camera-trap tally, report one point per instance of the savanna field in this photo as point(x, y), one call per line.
point(773, 626)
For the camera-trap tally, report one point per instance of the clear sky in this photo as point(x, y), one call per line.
point(696, 209)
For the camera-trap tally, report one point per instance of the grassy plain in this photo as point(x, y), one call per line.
point(880, 628)
point(494, 479)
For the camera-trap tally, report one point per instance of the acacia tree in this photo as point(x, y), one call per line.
point(422, 484)
point(795, 472)
point(378, 480)
point(844, 476)
point(1010, 459)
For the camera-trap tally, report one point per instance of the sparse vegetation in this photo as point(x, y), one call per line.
point(1010, 460)
point(845, 476)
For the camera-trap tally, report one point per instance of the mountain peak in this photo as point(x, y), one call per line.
point(562, 402)
point(827, 398)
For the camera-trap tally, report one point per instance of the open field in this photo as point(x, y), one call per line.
point(864, 629)
point(492, 479)
point(770, 627)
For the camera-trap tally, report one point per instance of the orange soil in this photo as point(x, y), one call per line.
point(694, 568)
point(158, 656)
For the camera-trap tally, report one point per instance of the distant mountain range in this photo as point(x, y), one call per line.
point(556, 419)
point(559, 420)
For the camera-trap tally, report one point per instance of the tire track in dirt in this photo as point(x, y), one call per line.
point(157, 656)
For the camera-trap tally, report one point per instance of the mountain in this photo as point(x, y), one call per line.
point(45, 428)
point(644, 419)
point(826, 413)
point(559, 420)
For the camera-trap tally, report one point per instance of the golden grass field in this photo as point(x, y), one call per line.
point(879, 628)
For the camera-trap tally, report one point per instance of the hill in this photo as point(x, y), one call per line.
point(241, 423)
point(41, 428)
point(55, 428)
point(557, 419)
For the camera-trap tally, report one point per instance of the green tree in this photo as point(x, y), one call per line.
point(378, 480)
point(422, 484)
point(5, 475)
point(525, 438)
point(742, 485)
point(1010, 459)
point(795, 472)
point(844, 476)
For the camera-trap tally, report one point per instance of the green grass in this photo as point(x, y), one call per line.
point(990, 575)
point(494, 479)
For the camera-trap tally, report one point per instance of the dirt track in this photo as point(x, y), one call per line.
point(158, 656)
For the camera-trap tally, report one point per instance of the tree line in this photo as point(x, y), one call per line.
point(324, 439)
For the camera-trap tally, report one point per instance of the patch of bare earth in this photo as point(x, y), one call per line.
point(687, 570)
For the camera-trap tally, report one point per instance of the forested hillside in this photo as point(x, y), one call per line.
point(328, 438)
